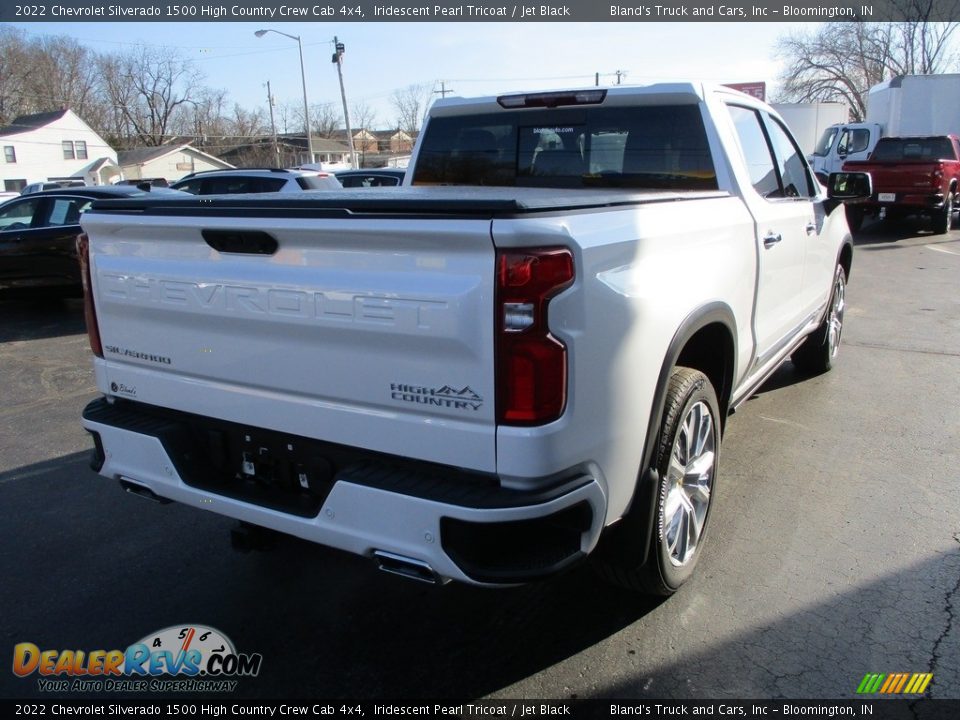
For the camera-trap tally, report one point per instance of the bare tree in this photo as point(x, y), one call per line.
point(205, 117)
point(841, 61)
point(118, 97)
point(411, 104)
point(838, 62)
point(286, 115)
point(921, 38)
point(13, 74)
point(248, 123)
point(325, 119)
point(363, 118)
point(45, 74)
point(63, 75)
point(150, 87)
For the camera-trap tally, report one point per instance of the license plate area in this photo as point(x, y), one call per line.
point(283, 472)
point(887, 197)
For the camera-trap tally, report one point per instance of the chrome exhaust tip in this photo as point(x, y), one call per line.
point(405, 567)
point(135, 488)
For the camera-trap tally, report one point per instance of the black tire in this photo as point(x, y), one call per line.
point(854, 217)
point(943, 219)
point(818, 353)
point(691, 401)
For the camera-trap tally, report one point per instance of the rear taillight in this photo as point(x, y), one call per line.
point(936, 177)
point(531, 363)
point(93, 330)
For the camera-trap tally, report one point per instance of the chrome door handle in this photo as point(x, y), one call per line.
point(772, 239)
point(811, 228)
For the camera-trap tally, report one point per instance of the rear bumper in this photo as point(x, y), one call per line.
point(909, 201)
point(463, 525)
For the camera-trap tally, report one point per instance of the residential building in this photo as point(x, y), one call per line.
point(380, 142)
point(292, 150)
point(395, 141)
point(170, 162)
point(54, 146)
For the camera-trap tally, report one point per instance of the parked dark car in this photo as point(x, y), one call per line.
point(379, 177)
point(38, 255)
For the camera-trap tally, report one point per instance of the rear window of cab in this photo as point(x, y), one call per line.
point(654, 147)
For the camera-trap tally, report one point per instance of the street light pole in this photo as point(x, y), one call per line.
point(303, 78)
point(338, 61)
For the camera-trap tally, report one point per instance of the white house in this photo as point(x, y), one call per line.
point(53, 146)
point(171, 162)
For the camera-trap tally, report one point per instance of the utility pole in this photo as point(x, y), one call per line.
point(303, 79)
point(596, 81)
point(273, 128)
point(442, 92)
point(338, 51)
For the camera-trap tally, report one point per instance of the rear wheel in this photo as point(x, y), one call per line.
point(819, 351)
point(687, 459)
point(943, 219)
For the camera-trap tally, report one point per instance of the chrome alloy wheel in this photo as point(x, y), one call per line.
point(835, 321)
point(688, 484)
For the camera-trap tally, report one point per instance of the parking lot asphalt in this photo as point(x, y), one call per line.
point(834, 549)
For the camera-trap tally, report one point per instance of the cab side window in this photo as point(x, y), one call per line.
point(755, 151)
point(853, 141)
point(795, 179)
point(777, 169)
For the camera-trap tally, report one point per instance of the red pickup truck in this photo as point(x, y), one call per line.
point(911, 176)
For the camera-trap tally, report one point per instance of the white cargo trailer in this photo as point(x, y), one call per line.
point(916, 105)
point(808, 121)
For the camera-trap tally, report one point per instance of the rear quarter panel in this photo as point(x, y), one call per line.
point(640, 273)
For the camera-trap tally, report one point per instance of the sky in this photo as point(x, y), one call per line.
point(472, 59)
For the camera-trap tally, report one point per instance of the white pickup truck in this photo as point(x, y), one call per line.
point(525, 356)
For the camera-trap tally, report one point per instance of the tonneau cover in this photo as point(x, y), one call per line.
point(432, 200)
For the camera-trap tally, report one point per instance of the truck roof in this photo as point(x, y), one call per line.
point(674, 92)
point(681, 91)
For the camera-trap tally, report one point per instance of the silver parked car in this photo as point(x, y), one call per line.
point(255, 180)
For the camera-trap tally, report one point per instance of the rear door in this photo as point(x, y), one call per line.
point(779, 200)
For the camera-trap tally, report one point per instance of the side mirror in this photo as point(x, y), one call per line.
point(849, 186)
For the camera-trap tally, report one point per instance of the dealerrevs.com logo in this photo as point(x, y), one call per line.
point(181, 658)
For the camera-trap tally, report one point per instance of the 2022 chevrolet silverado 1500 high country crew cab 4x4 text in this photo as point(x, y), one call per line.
point(523, 356)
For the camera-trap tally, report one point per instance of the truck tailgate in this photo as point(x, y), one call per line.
point(899, 176)
point(370, 332)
